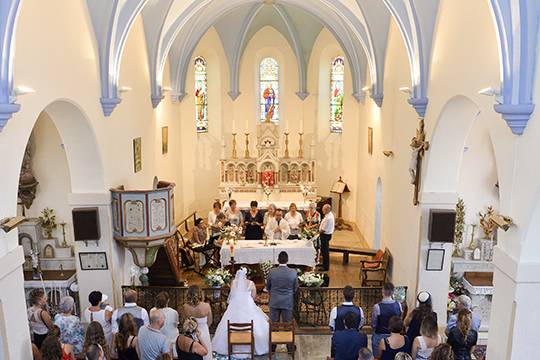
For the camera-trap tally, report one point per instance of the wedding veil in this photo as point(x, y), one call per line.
point(241, 284)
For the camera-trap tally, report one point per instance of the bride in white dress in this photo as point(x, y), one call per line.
point(242, 309)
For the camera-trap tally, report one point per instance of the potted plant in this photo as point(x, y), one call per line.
point(216, 278)
point(47, 220)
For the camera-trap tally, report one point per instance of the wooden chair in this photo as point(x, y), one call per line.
point(373, 272)
point(240, 334)
point(281, 334)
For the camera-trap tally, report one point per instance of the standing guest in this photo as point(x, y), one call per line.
point(462, 337)
point(101, 312)
point(170, 328)
point(188, 345)
point(94, 335)
point(346, 343)
point(381, 314)
point(36, 355)
point(71, 329)
point(277, 228)
point(51, 349)
point(254, 222)
point(442, 352)
point(326, 229)
point(125, 342)
point(140, 315)
point(38, 318)
point(212, 217)
point(270, 214)
point(424, 344)
point(94, 352)
point(395, 342)
point(67, 349)
point(152, 342)
point(414, 318)
point(365, 354)
point(234, 215)
point(201, 312)
point(313, 219)
point(337, 315)
point(464, 302)
point(294, 218)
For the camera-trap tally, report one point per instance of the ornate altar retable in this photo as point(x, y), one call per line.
point(270, 175)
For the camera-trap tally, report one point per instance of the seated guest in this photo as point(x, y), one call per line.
point(234, 215)
point(463, 337)
point(170, 328)
point(94, 352)
point(424, 344)
point(71, 329)
point(381, 314)
point(414, 318)
point(346, 343)
point(94, 335)
point(277, 228)
point(269, 214)
point(140, 315)
point(66, 349)
point(294, 218)
point(254, 223)
point(188, 346)
point(152, 342)
point(395, 343)
point(38, 318)
point(442, 352)
point(125, 343)
point(464, 302)
point(365, 354)
point(199, 232)
point(337, 315)
point(100, 312)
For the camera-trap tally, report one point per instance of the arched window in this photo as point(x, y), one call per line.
point(201, 95)
point(336, 95)
point(269, 90)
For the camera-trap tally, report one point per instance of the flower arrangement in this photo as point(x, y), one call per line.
point(47, 220)
point(456, 289)
point(311, 279)
point(218, 278)
point(231, 232)
point(488, 227)
point(309, 234)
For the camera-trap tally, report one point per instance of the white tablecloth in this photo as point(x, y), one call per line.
point(300, 252)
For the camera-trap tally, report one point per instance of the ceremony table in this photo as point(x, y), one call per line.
point(301, 252)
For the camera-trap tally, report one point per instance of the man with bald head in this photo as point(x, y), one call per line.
point(326, 229)
point(151, 341)
point(130, 306)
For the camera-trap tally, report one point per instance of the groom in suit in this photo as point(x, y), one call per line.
point(282, 284)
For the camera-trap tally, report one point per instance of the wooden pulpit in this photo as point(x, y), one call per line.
point(340, 187)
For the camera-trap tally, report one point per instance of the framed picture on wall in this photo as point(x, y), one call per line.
point(435, 260)
point(137, 154)
point(370, 140)
point(164, 140)
point(93, 260)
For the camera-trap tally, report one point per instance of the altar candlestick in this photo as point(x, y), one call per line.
point(286, 144)
point(246, 152)
point(234, 154)
point(301, 145)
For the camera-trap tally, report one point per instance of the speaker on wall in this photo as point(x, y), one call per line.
point(442, 225)
point(86, 224)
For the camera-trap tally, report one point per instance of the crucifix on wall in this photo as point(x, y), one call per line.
point(419, 146)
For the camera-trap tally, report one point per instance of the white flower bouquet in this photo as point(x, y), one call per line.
point(231, 232)
point(311, 279)
point(218, 278)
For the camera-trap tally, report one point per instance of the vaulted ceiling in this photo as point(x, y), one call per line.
point(173, 29)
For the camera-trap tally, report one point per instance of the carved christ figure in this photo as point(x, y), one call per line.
point(419, 146)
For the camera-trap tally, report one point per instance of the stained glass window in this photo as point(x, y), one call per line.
point(336, 95)
point(269, 90)
point(201, 95)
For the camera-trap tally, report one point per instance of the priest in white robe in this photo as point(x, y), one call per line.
point(277, 228)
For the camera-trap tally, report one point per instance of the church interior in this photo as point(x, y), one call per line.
point(403, 133)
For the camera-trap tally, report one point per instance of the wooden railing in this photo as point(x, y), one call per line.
point(312, 305)
point(179, 240)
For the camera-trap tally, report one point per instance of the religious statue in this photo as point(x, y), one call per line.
point(419, 146)
point(269, 96)
point(27, 181)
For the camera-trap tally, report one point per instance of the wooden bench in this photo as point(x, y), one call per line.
point(346, 250)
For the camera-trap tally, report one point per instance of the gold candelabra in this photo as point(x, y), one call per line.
point(301, 145)
point(234, 154)
point(246, 152)
point(286, 145)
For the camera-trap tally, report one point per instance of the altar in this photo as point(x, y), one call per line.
point(270, 176)
point(301, 252)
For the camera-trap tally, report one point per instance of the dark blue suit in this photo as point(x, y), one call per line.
point(347, 343)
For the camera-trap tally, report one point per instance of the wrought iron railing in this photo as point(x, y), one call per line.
point(312, 305)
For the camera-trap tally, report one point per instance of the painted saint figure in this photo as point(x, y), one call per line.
point(199, 94)
point(270, 98)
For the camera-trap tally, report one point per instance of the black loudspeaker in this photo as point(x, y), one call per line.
point(86, 224)
point(442, 225)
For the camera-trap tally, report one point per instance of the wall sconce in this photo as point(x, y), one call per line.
point(490, 91)
point(124, 89)
point(366, 89)
point(166, 89)
point(388, 153)
point(23, 90)
point(405, 90)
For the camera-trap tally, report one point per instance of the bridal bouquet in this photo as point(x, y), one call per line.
point(311, 279)
point(231, 232)
point(217, 277)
